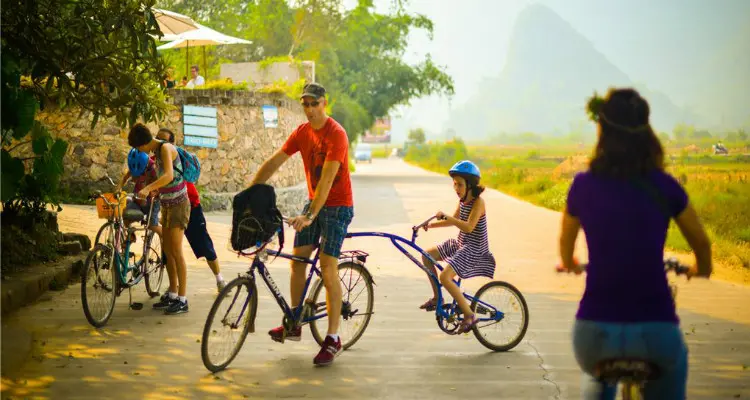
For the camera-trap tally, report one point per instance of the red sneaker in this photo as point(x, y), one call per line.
point(277, 334)
point(328, 351)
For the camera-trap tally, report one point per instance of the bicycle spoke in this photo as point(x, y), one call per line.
point(224, 333)
point(355, 315)
point(506, 333)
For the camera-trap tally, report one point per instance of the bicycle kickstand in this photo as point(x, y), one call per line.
point(133, 306)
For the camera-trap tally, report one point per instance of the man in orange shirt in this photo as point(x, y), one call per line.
point(325, 219)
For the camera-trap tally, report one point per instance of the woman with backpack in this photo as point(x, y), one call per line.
point(197, 232)
point(175, 213)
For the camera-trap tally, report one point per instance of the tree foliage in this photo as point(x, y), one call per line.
point(96, 55)
point(417, 136)
point(358, 52)
point(99, 55)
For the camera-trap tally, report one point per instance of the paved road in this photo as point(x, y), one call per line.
point(403, 355)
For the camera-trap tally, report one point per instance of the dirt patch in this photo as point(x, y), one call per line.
point(570, 166)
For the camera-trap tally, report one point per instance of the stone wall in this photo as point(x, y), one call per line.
point(244, 142)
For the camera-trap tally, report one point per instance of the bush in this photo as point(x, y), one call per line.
point(555, 197)
point(437, 157)
point(27, 239)
point(218, 84)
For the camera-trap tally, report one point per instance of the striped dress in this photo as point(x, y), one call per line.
point(174, 192)
point(470, 255)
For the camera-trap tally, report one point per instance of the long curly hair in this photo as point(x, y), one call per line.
point(627, 146)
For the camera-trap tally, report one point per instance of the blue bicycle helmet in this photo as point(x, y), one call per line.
point(137, 162)
point(465, 167)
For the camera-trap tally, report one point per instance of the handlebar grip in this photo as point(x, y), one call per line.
point(561, 270)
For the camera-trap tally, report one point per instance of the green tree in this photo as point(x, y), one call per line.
point(99, 55)
point(96, 55)
point(417, 136)
point(266, 23)
point(700, 134)
point(366, 63)
point(682, 132)
point(358, 52)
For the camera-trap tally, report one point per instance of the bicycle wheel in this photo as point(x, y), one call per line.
point(154, 264)
point(235, 321)
point(356, 309)
point(105, 233)
point(490, 296)
point(99, 285)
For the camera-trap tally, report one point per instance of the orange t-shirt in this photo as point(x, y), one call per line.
point(330, 143)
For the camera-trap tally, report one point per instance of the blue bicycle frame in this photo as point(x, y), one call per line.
point(121, 260)
point(296, 313)
point(496, 315)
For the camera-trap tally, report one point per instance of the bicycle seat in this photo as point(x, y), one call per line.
point(133, 215)
point(634, 369)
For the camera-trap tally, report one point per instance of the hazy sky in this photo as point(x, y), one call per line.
point(653, 41)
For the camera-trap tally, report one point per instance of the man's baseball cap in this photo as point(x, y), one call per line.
point(314, 90)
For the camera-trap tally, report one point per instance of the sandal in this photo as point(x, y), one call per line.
point(467, 325)
point(429, 305)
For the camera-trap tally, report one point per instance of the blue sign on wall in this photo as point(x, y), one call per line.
point(201, 126)
point(201, 141)
point(270, 116)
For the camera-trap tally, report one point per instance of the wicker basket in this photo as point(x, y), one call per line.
point(105, 211)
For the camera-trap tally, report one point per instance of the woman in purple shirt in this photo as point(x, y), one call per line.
point(624, 204)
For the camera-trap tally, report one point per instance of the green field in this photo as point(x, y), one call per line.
point(718, 186)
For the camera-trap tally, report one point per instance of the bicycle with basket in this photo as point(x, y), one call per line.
point(111, 267)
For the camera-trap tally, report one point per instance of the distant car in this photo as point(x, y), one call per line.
point(363, 152)
point(397, 152)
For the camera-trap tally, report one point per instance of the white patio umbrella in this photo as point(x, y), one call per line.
point(201, 37)
point(172, 23)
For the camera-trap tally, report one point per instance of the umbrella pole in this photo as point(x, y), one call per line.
point(205, 66)
point(187, 59)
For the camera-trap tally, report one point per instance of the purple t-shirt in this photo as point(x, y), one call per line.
point(625, 230)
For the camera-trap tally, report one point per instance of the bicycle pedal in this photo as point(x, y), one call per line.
point(136, 306)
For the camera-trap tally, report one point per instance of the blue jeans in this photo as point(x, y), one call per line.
point(659, 342)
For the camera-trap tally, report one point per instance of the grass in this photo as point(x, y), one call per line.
point(718, 187)
point(380, 152)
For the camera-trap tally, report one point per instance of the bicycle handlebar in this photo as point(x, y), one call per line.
point(670, 264)
point(98, 194)
point(425, 223)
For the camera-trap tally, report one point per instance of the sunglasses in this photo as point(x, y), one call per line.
point(310, 104)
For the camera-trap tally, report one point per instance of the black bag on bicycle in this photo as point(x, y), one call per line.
point(255, 218)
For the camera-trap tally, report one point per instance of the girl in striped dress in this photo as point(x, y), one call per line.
point(469, 255)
